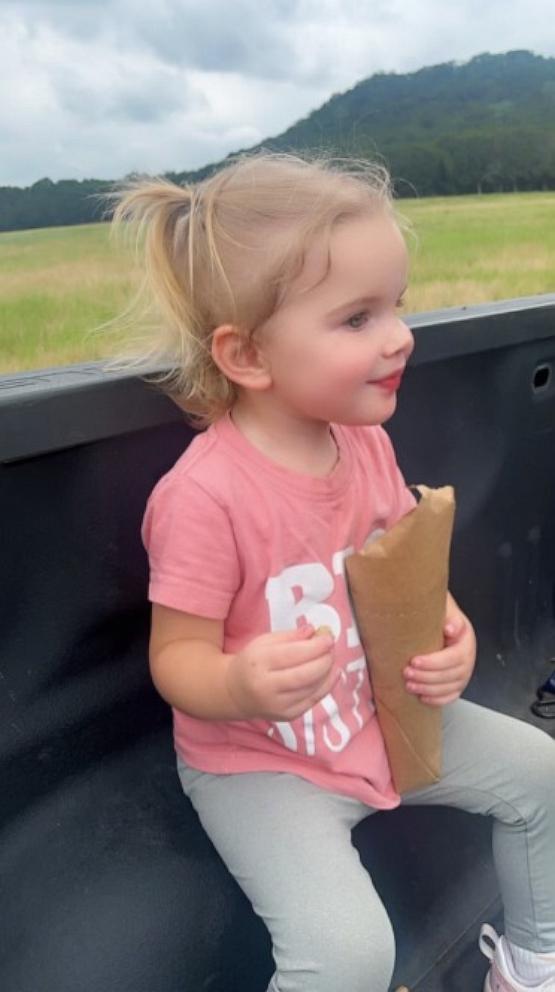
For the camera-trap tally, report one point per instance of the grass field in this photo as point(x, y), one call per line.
point(58, 284)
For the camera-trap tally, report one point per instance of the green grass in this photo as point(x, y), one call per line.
point(58, 284)
point(477, 249)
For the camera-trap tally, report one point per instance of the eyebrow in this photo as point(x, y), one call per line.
point(361, 301)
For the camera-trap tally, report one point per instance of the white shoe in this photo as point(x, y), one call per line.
point(500, 977)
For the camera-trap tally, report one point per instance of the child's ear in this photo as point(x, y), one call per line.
point(240, 359)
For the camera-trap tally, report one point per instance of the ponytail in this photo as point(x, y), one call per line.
point(164, 225)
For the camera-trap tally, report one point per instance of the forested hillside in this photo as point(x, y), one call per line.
point(488, 125)
point(484, 126)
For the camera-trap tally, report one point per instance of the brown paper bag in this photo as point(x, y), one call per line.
point(398, 585)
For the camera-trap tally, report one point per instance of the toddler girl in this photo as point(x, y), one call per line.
point(276, 286)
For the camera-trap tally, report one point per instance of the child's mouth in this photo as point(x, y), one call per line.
point(392, 383)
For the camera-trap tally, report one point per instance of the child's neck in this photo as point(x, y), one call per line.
point(296, 443)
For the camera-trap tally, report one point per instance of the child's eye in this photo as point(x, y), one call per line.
point(357, 320)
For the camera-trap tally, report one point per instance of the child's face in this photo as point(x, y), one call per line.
point(326, 348)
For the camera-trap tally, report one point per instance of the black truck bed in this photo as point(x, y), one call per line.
point(108, 882)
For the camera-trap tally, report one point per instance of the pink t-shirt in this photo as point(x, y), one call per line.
point(232, 535)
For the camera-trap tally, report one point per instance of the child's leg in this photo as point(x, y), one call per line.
point(496, 765)
point(288, 844)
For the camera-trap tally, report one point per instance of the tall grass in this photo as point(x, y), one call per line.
point(475, 249)
point(58, 284)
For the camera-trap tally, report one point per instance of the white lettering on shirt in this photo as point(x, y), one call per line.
point(298, 594)
point(316, 584)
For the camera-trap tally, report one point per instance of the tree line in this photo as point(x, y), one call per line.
point(487, 125)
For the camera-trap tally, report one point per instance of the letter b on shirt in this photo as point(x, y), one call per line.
point(299, 594)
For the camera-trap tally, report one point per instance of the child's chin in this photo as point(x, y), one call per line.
point(369, 419)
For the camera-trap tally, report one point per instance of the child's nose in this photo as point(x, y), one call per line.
point(400, 338)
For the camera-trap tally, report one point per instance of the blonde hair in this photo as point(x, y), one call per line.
point(225, 250)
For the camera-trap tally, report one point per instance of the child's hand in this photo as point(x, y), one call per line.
point(279, 676)
point(441, 677)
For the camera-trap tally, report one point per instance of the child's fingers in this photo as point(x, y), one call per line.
point(439, 700)
point(303, 677)
point(290, 653)
point(454, 627)
point(439, 676)
point(294, 704)
point(448, 657)
point(444, 689)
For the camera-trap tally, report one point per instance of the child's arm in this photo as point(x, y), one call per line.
point(187, 664)
point(441, 677)
point(276, 676)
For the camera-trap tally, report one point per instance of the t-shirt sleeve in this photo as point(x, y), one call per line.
point(191, 548)
point(402, 500)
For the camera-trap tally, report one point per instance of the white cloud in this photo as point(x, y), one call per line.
point(103, 87)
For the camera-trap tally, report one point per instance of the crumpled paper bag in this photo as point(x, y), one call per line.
point(398, 586)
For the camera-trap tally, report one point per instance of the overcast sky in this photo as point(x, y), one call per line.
point(100, 88)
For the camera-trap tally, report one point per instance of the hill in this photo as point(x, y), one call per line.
point(487, 125)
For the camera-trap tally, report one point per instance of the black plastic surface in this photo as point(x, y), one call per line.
point(108, 882)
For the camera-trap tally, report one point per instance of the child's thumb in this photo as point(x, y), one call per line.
point(298, 633)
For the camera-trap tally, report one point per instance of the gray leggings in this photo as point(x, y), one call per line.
point(288, 844)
